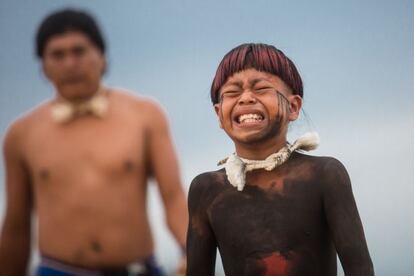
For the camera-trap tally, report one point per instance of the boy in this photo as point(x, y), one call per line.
point(271, 210)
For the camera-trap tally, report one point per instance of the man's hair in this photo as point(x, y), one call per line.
point(262, 57)
point(67, 20)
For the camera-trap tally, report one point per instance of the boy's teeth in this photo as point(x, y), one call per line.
point(248, 118)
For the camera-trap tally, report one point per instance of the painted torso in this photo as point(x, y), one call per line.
point(277, 225)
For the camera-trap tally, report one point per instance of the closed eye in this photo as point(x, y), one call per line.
point(231, 93)
point(263, 89)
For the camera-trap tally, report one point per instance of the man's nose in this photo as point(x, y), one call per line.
point(247, 97)
point(70, 61)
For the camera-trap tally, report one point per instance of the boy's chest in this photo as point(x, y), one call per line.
point(266, 221)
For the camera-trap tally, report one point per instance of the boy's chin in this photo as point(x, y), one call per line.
point(250, 139)
point(255, 137)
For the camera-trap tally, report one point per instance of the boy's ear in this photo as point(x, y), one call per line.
point(295, 104)
point(217, 109)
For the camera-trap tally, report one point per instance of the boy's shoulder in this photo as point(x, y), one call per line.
point(321, 162)
point(209, 180)
point(328, 171)
point(206, 186)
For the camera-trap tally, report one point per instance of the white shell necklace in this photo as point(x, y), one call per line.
point(236, 167)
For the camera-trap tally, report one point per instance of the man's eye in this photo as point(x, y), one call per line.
point(57, 55)
point(78, 51)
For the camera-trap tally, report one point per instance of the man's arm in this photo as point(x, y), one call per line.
point(15, 234)
point(164, 166)
point(344, 221)
point(201, 242)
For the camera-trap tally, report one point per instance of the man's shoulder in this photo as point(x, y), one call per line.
point(134, 99)
point(24, 122)
point(134, 104)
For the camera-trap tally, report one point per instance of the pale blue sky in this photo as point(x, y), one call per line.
point(356, 59)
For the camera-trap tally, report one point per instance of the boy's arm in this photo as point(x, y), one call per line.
point(344, 221)
point(201, 243)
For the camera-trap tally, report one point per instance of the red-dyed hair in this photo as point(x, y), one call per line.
point(262, 57)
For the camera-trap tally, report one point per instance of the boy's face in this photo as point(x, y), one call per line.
point(73, 64)
point(256, 106)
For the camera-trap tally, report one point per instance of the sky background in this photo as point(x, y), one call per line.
point(356, 59)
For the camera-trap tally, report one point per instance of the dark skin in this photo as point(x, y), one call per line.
point(290, 221)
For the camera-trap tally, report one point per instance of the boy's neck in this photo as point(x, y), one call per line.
point(260, 150)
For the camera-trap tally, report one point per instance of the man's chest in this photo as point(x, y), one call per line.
point(86, 148)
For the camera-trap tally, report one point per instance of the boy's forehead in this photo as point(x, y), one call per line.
point(251, 76)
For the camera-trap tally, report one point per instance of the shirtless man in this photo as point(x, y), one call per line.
point(295, 211)
point(82, 161)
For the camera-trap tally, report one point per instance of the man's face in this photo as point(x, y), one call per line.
point(73, 64)
point(256, 106)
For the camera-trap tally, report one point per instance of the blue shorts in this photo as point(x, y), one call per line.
point(51, 267)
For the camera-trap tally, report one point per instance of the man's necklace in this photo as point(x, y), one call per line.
point(64, 111)
point(236, 167)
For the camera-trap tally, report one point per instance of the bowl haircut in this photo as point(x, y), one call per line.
point(262, 57)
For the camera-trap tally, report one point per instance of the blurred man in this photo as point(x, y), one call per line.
point(82, 161)
point(272, 210)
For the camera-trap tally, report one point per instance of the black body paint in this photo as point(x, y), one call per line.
point(287, 222)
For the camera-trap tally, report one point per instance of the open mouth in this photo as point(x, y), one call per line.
point(249, 118)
